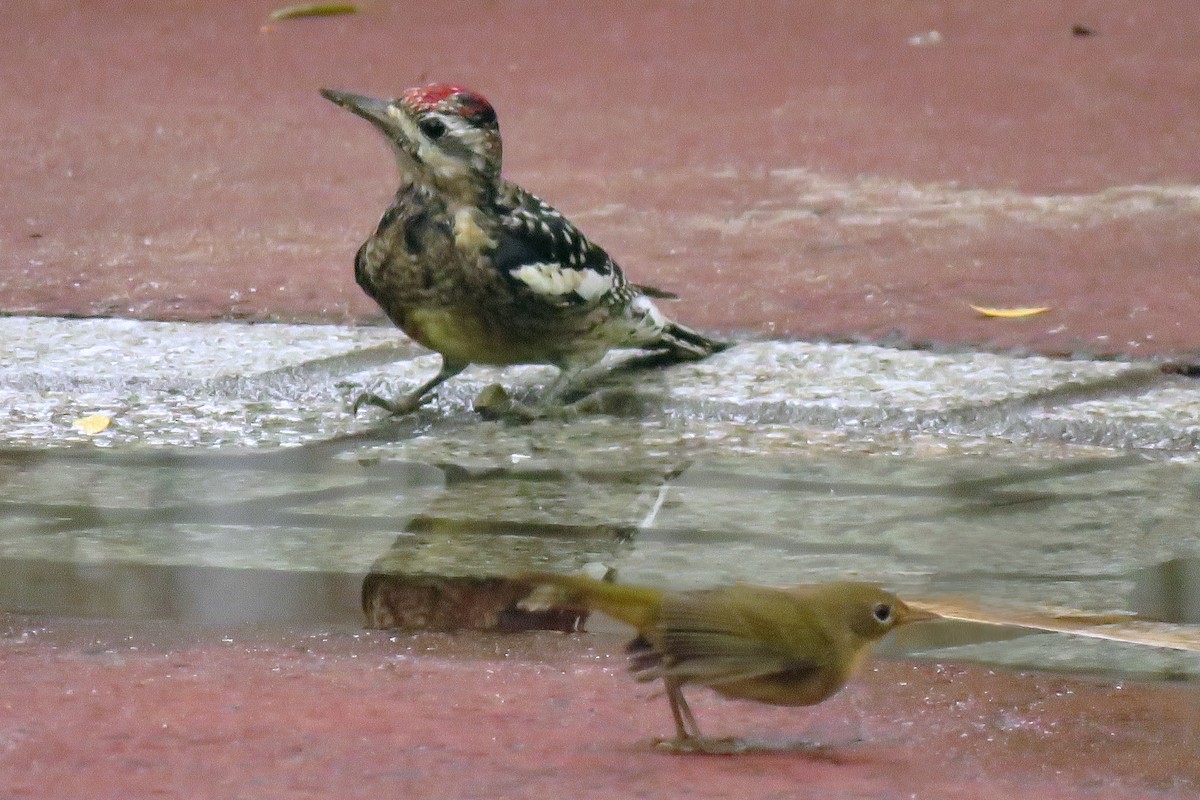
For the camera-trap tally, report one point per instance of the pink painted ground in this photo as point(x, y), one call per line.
point(108, 712)
point(798, 169)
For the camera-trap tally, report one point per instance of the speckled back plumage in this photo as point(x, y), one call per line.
point(483, 271)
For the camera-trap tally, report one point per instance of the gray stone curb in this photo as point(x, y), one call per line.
point(228, 384)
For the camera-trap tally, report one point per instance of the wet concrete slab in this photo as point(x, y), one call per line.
point(792, 171)
point(232, 473)
point(142, 710)
point(227, 384)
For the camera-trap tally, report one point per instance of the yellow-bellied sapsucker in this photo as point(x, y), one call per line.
point(480, 270)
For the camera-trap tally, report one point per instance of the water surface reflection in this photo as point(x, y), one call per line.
point(347, 534)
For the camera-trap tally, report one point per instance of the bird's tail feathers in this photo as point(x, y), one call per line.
point(686, 344)
point(634, 605)
point(645, 659)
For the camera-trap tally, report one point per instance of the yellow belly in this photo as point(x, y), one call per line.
point(802, 688)
point(466, 338)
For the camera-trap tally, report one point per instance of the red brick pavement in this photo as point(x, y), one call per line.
point(795, 169)
point(107, 711)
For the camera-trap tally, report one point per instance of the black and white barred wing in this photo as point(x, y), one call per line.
point(545, 255)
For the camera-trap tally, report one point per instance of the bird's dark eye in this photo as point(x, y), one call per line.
point(882, 612)
point(432, 127)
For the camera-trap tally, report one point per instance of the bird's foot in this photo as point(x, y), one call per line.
point(681, 745)
point(494, 403)
point(615, 401)
point(397, 408)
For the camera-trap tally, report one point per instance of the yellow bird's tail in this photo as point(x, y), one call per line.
point(638, 606)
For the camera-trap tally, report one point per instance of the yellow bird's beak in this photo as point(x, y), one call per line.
point(906, 614)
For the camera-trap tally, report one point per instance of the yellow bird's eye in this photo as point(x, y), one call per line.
point(882, 612)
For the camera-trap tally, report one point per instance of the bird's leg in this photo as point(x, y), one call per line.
point(566, 398)
point(580, 389)
point(685, 721)
point(687, 731)
point(557, 391)
point(494, 403)
point(413, 400)
point(583, 390)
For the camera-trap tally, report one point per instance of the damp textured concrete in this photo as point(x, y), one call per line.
point(228, 384)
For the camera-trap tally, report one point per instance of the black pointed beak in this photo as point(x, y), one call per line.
point(369, 108)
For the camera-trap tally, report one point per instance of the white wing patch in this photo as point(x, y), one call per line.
point(642, 308)
point(556, 280)
point(645, 320)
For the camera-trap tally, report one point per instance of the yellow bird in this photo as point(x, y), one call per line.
point(786, 647)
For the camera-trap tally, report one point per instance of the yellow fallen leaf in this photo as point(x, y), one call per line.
point(92, 424)
point(1010, 313)
point(312, 10)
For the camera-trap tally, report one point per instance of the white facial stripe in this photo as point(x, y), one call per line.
point(405, 161)
point(459, 154)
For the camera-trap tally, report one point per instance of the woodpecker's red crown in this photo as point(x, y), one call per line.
point(451, 99)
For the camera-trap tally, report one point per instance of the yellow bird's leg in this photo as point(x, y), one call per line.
point(687, 731)
point(685, 722)
point(413, 400)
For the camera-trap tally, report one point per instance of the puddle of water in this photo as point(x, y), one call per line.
point(311, 536)
point(210, 595)
point(1168, 592)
